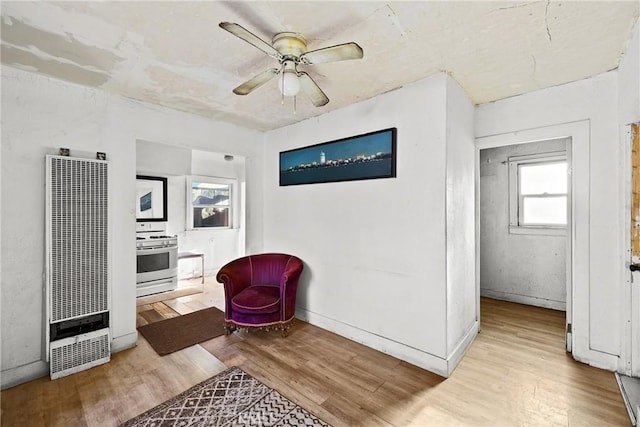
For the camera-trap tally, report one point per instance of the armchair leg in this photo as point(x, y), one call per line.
point(286, 327)
point(229, 328)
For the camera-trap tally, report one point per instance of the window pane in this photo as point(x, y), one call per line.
point(208, 194)
point(544, 210)
point(210, 217)
point(548, 178)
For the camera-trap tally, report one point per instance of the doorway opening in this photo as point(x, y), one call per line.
point(525, 228)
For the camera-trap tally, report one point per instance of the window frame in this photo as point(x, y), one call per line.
point(516, 199)
point(232, 183)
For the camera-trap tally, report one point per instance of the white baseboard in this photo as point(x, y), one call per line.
point(422, 359)
point(456, 356)
point(21, 374)
point(583, 353)
point(124, 342)
point(524, 299)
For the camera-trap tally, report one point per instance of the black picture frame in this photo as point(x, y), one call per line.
point(367, 156)
point(151, 198)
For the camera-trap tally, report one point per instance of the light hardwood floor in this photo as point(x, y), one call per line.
point(516, 373)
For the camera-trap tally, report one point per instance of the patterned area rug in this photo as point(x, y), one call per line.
point(231, 398)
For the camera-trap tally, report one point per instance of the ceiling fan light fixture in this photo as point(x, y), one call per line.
point(289, 84)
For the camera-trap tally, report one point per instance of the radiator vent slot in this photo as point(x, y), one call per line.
point(82, 325)
point(74, 354)
point(79, 238)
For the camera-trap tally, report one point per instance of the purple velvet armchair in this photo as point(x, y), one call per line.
point(260, 291)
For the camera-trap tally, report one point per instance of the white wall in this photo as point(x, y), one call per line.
point(375, 251)
point(523, 268)
point(629, 77)
point(39, 115)
point(152, 157)
point(460, 228)
point(590, 104)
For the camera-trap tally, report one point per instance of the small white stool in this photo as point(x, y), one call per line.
point(185, 255)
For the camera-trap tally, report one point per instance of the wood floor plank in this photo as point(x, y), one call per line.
point(342, 407)
point(148, 316)
point(178, 306)
point(164, 310)
point(346, 376)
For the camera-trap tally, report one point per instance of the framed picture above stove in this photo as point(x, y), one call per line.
point(151, 198)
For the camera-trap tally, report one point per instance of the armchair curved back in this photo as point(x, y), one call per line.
point(269, 269)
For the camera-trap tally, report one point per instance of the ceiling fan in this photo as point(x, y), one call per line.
point(290, 50)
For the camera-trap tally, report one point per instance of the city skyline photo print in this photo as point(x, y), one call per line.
point(368, 156)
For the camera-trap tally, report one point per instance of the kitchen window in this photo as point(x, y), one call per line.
point(209, 203)
point(538, 194)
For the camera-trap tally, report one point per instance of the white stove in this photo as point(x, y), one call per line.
point(156, 263)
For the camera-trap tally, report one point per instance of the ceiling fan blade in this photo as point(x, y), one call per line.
point(257, 81)
point(313, 91)
point(252, 39)
point(339, 52)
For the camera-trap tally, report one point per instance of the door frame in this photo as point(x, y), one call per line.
point(578, 232)
point(630, 360)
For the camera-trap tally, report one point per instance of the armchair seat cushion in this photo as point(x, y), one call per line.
point(257, 299)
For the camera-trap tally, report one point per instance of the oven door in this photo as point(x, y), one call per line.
point(156, 263)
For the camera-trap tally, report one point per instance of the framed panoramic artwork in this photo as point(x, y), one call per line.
point(367, 156)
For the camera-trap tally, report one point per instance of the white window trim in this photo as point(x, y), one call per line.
point(233, 186)
point(514, 202)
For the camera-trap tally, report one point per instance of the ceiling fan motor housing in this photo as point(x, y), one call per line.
point(290, 45)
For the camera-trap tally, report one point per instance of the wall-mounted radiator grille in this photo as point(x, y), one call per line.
point(77, 264)
point(78, 353)
point(79, 237)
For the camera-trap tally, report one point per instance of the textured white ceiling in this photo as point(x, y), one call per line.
point(174, 54)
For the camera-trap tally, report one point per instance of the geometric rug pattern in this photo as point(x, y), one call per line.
point(231, 398)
